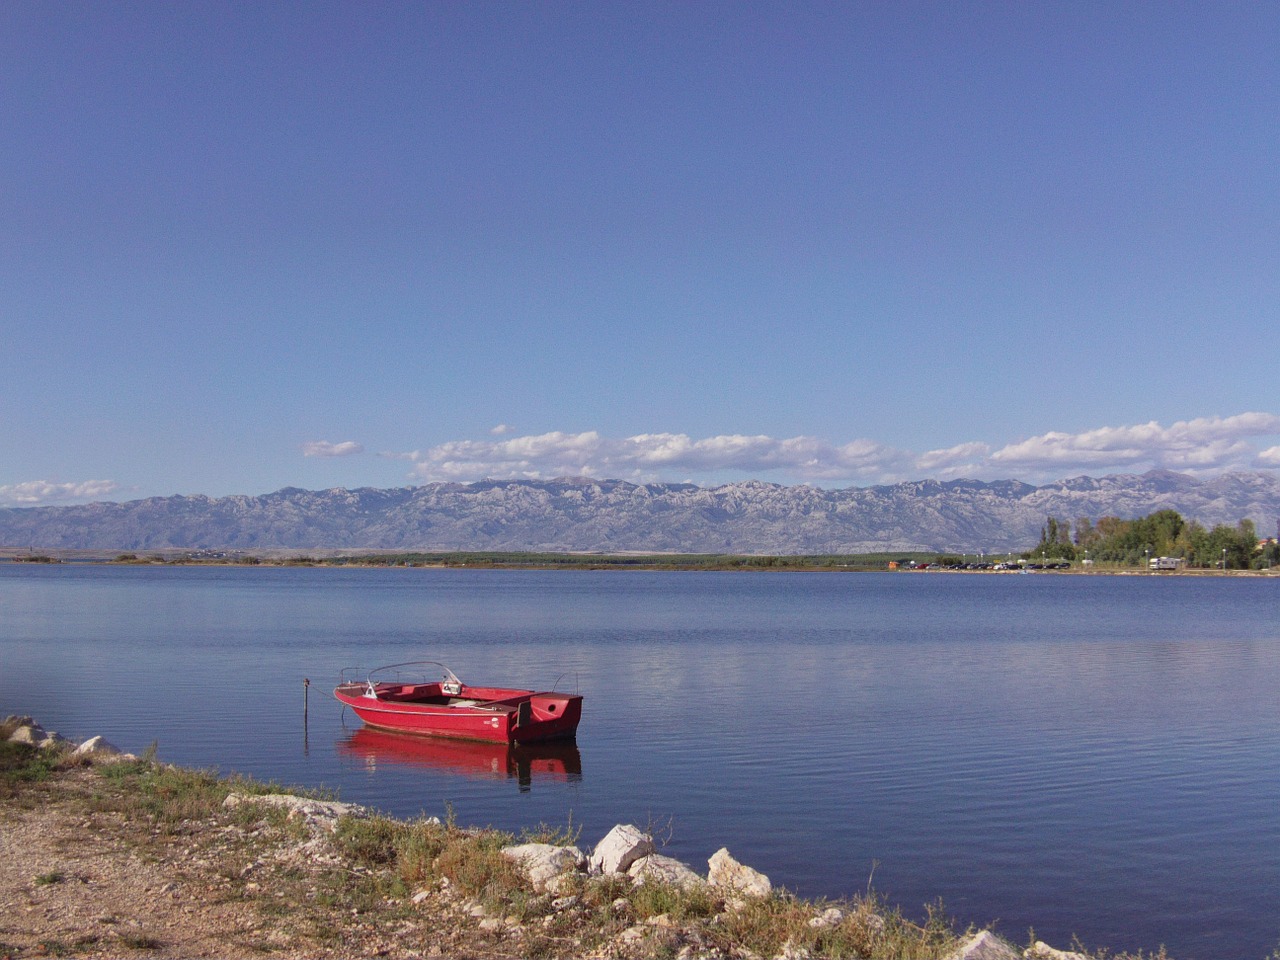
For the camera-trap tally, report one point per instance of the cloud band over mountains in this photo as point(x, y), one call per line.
point(1200, 446)
point(35, 492)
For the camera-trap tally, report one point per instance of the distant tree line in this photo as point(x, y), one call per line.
point(1161, 534)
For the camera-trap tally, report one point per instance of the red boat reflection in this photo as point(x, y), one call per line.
point(557, 760)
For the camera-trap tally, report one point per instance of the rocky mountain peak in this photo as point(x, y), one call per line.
point(588, 514)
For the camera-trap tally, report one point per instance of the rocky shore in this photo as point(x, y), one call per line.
point(105, 854)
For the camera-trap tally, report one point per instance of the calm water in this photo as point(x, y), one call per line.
point(1086, 755)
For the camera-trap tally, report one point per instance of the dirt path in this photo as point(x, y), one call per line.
point(69, 883)
point(79, 878)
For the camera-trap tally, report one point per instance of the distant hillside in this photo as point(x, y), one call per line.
point(612, 515)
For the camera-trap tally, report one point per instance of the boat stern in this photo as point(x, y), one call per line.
point(547, 716)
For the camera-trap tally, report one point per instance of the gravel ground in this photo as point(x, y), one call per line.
point(78, 878)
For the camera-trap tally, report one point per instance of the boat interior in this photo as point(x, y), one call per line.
point(431, 694)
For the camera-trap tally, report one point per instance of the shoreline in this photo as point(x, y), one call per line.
point(580, 562)
point(110, 855)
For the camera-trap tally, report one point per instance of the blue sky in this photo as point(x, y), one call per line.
point(248, 246)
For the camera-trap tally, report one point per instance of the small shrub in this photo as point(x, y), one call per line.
point(22, 763)
point(763, 925)
point(417, 848)
point(566, 836)
point(140, 941)
point(368, 842)
point(681, 904)
point(476, 866)
point(174, 795)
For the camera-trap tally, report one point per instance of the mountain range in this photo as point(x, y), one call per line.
point(581, 514)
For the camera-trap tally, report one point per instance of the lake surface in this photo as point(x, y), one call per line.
point(1089, 756)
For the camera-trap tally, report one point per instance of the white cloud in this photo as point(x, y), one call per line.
point(323, 448)
point(959, 456)
point(651, 456)
point(1204, 445)
point(36, 492)
point(502, 429)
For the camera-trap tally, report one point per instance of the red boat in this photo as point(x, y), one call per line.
point(397, 698)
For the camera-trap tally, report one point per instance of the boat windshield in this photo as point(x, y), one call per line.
point(418, 671)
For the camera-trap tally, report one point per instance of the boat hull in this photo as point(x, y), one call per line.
point(476, 713)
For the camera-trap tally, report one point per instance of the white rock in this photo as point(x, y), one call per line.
point(96, 748)
point(792, 951)
point(31, 733)
point(827, 918)
point(1042, 951)
point(544, 863)
point(662, 869)
point(621, 847)
point(52, 740)
point(984, 945)
point(321, 814)
point(729, 873)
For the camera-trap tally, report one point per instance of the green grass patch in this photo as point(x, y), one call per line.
point(680, 904)
point(21, 764)
point(369, 842)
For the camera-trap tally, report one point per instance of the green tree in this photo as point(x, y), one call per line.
point(1055, 541)
point(1087, 535)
